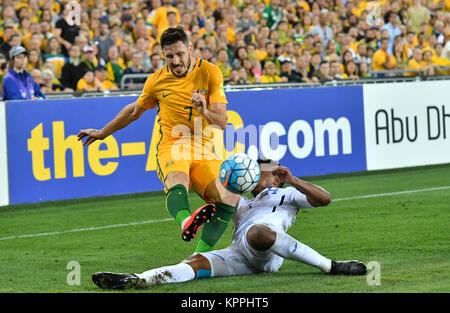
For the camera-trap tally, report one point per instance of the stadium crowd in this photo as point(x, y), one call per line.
point(89, 45)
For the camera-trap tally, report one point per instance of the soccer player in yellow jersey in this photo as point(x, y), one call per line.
point(189, 97)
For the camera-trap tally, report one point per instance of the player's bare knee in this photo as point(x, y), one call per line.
point(175, 178)
point(215, 190)
point(198, 262)
point(261, 237)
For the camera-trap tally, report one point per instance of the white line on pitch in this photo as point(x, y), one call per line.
point(86, 229)
point(171, 219)
point(393, 193)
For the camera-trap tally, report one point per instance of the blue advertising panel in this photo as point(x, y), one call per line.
point(313, 131)
point(46, 162)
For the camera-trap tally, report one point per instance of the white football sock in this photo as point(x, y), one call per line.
point(292, 249)
point(168, 274)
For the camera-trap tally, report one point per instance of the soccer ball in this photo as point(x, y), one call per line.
point(239, 173)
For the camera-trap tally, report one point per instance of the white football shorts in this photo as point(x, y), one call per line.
point(241, 259)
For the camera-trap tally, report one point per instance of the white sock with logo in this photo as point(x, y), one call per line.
point(168, 274)
point(292, 249)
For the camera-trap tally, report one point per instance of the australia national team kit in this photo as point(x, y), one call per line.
point(274, 207)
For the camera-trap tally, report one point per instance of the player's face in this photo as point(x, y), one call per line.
point(177, 57)
point(267, 179)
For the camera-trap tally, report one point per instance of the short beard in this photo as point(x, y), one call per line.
point(187, 70)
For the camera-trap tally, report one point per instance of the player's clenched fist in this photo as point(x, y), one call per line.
point(284, 174)
point(92, 134)
point(199, 102)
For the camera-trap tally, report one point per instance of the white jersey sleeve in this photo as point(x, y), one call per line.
point(298, 198)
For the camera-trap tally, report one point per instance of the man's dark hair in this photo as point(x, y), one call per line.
point(172, 35)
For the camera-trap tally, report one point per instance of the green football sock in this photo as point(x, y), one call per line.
point(213, 230)
point(177, 203)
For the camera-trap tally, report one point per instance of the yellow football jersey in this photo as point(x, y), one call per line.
point(172, 96)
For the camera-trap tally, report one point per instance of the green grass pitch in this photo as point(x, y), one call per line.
point(408, 234)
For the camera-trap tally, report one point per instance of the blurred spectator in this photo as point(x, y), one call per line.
point(323, 73)
point(114, 65)
point(102, 82)
point(3, 67)
point(239, 56)
point(234, 77)
point(322, 29)
point(127, 26)
point(335, 70)
point(66, 30)
point(272, 14)
point(54, 55)
point(429, 68)
point(156, 62)
point(271, 57)
point(301, 69)
point(18, 83)
point(247, 24)
point(400, 55)
point(141, 47)
point(314, 64)
point(74, 69)
point(270, 74)
point(364, 70)
point(88, 57)
point(222, 63)
point(49, 84)
point(241, 77)
point(14, 41)
point(36, 75)
point(34, 60)
point(382, 59)
point(287, 71)
point(160, 22)
point(392, 28)
point(88, 82)
point(351, 71)
point(103, 40)
point(135, 68)
point(417, 14)
point(206, 53)
point(8, 31)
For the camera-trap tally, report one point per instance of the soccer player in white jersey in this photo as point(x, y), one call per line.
point(260, 242)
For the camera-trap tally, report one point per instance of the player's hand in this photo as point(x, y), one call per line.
point(284, 174)
point(199, 102)
point(91, 134)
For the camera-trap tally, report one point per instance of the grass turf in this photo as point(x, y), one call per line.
point(407, 234)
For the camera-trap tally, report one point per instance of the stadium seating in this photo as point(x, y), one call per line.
point(296, 36)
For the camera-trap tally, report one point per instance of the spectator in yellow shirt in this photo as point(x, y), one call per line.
point(222, 63)
point(88, 82)
point(102, 82)
point(269, 74)
point(415, 63)
point(429, 67)
point(382, 60)
point(160, 21)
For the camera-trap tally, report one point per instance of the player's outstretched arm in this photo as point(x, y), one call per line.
point(127, 115)
point(316, 195)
